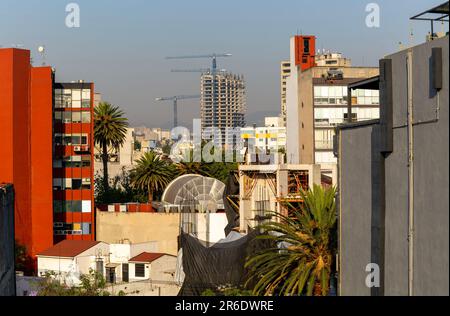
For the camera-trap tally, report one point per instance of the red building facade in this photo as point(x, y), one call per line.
point(45, 143)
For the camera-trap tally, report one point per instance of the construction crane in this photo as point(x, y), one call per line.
point(213, 72)
point(175, 104)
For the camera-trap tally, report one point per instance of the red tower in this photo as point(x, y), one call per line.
point(305, 48)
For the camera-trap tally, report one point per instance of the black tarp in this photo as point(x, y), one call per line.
point(7, 270)
point(222, 264)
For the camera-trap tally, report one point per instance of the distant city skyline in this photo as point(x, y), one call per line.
point(125, 44)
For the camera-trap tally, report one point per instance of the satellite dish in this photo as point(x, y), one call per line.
point(41, 50)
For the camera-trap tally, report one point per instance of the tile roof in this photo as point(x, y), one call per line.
point(68, 248)
point(147, 257)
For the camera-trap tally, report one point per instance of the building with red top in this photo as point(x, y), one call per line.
point(47, 137)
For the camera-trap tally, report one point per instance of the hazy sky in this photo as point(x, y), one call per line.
point(121, 45)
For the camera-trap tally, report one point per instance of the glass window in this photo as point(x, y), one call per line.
point(57, 163)
point(86, 104)
point(86, 184)
point(324, 91)
point(86, 206)
point(76, 184)
point(86, 228)
point(76, 117)
point(57, 206)
point(76, 104)
point(58, 116)
point(67, 183)
point(67, 101)
point(76, 94)
point(139, 270)
point(86, 94)
point(86, 161)
point(86, 117)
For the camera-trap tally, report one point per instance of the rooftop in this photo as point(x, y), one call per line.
point(68, 248)
point(147, 257)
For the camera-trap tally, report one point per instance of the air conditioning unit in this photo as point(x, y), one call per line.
point(85, 148)
point(77, 232)
point(86, 180)
point(77, 148)
point(58, 225)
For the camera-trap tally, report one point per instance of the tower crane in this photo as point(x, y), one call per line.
point(213, 72)
point(175, 104)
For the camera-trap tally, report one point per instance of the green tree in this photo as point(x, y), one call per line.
point(152, 174)
point(92, 284)
point(110, 128)
point(184, 168)
point(304, 266)
point(23, 261)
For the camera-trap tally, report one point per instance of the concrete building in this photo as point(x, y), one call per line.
point(393, 180)
point(285, 71)
point(7, 258)
point(159, 227)
point(222, 106)
point(317, 101)
point(267, 188)
point(270, 138)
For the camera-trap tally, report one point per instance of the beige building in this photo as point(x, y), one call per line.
point(285, 71)
point(317, 103)
point(162, 229)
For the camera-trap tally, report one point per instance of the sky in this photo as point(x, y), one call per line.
point(121, 45)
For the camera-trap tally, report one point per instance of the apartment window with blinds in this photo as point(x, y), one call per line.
point(139, 270)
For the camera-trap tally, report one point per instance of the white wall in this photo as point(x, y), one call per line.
point(292, 119)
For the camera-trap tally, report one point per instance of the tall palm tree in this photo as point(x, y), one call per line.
point(191, 168)
point(152, 174)
point(110, 130)
point(300, 260)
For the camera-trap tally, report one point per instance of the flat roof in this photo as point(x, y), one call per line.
point(438, 13)
point(372, 83)
point(357, 124)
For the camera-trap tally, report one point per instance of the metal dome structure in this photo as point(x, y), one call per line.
point(194, 194)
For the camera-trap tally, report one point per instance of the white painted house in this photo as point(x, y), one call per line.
point(152, 266)
point(70, 259)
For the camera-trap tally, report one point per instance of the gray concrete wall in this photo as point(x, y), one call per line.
point(7, 271)
point(359, 206)
point(373, 216)
point(431, 182)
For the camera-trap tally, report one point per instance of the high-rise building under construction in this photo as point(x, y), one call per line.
point(223, 105)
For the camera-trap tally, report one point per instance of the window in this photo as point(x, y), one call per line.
point(85, 117)
point(139, 270)
point(86, 206)
point(76, 117)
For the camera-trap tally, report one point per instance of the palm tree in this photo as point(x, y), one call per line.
point(152, 174)
point(110, 130)
point(191, 168)
point(302, 266)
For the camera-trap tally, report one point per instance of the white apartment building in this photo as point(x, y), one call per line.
point(270, 138)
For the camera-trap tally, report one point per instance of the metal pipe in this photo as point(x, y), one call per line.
point(410, 175)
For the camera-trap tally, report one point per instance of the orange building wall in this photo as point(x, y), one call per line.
point(41, 158)
point(305, 59)
point(15, 166)
point(25, 145)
